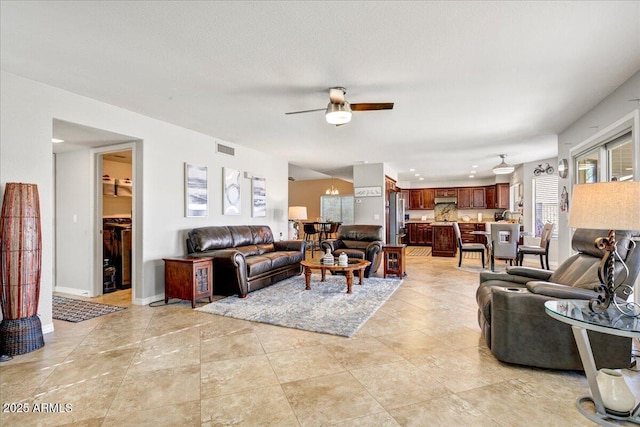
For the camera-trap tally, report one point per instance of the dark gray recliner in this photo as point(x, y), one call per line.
point(358, 241)
point(515, 325)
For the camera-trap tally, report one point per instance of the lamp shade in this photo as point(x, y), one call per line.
point(606, 206)
point(297, 212)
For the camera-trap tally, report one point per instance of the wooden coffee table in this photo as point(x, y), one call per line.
point(354, 265)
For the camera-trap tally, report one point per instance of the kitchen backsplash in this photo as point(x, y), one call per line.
point(446, 212)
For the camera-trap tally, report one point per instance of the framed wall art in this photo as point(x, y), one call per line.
point(367, 191)
point(230, 191)
point(258, 196)
point(195, 191)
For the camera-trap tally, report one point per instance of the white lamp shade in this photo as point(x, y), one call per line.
point(606, 206)
point(338, 114)
point(297, 212)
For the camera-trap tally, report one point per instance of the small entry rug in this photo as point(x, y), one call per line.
point(75, 310)
point(419, 251)
point(326, 308)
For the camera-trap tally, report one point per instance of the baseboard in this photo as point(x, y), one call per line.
point(149, 300)
point(72, 291)
point(47, 328)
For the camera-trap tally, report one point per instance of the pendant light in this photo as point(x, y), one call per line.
point(332, 191)
point(338, 114)
point(503, 167)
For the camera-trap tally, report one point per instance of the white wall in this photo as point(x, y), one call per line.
point(612, 109)
point(27, 112)
point(369, 210)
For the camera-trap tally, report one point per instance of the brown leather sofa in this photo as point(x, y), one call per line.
point(515, 325)
point(358, 241)
point(245, 257)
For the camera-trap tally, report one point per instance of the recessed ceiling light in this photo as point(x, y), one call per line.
point(412, 170)
point(417, 174)
point(472, 176)
point(474, 166)
point(472, 172)
point(421, 179)
point(56, 140)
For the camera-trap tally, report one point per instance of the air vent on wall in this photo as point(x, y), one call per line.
point(226, 150)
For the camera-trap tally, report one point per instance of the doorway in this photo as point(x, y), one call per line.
point(84, 203)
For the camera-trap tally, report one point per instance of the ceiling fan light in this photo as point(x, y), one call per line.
point(338, 114)
point(503, 167)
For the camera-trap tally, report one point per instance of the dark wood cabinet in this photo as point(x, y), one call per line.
point(188, 278)
point(444, 242)
point(428, 198)
point(490, 197)
point(415, 199)
point(502, 196)
point(471, 198)
point(446, 192)
point(420, 233)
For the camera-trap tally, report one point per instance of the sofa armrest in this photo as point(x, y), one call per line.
point(486, 276)
point(559, 291)
point(331, 244)
point(373, 248)
point(530, 272)
point(290, 245)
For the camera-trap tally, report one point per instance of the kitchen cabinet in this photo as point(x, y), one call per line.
point(471, 198)
point(490, 197)
point(502, 196)
point(444, 242)
point(420, 233)
point(421, 198)
point(446, 192)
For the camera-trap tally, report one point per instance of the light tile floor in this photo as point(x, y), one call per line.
point(419, 361)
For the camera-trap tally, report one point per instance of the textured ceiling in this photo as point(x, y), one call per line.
point(470, 80)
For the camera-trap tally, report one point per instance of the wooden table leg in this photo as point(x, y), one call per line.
point(349, 274)
point(323, 273)
point(307, 278)
point(361, 275)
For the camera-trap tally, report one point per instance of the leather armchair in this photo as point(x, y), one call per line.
point(358, 241)
point(511, 311)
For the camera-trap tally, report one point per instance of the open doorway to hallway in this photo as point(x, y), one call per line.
point(95, 211)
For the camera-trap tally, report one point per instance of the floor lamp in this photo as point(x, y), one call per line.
point(608, 206)
point(296, 213)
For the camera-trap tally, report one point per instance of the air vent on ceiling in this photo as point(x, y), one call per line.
point(226, 150)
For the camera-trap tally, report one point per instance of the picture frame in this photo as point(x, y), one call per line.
point(367, 191)
point(196, 188)
point(258, 197)
point(230, 191)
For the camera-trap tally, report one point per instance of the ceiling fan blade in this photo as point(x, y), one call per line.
point(306, 111)
point(372, 106)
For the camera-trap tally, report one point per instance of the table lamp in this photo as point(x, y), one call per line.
point(296, 213)
point(608, 206)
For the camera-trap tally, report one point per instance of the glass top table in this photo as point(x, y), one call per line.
point(578, 314)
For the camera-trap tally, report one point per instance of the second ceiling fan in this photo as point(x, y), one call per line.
point(338, 111)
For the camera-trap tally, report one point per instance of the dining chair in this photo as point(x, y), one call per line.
point(541, 250)
point(504, 243)
point(332, 230)
point(467, 247)
point(310, 233)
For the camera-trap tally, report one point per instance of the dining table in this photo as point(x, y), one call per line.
point(487, 235)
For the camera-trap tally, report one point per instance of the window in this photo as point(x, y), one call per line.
point(609, 161)
point(545, 193)
point(337, 209)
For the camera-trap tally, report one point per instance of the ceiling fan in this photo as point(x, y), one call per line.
point(338, 111)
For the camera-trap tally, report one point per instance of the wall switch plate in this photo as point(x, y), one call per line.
point(376, 216)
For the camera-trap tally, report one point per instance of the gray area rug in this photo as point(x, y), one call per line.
point(326, 308)
point(75, 310)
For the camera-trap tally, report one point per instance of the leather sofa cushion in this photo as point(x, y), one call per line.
point(248, 250)
point(355, 244)
point(580, 271)
point(265, 248)
point(351, 253)
point(232, 236)
point(368, 233)
point(207, 238)
point(583, 241)
point(257, 265)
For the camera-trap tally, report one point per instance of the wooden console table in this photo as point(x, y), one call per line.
point(188, 278)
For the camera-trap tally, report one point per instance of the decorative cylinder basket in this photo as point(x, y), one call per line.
point(20, 268)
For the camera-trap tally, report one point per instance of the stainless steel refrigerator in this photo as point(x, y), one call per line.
point(396, 219)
